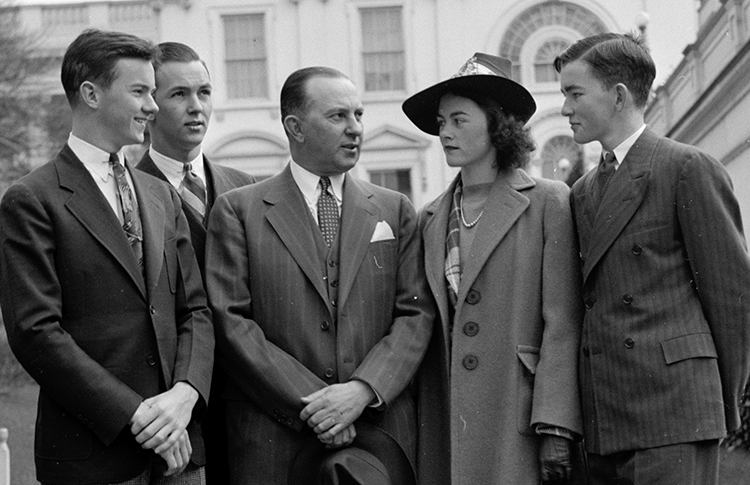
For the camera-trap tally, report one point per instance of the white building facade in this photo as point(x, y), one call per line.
point(390, 49)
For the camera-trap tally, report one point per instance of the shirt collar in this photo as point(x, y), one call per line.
point(308, 183)
point(95, 159)
point(172, 169)
point(621, 151)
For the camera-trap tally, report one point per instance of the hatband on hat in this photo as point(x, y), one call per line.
point(483, 74)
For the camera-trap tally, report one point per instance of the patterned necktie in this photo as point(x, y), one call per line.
point(328, 212)
point(131, 218)
point(192, 189)
point(606, 169)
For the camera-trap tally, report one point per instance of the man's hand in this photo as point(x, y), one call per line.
point(178, 456)
point(342, 439)
point(555, 459)
point(332, 409)
point(160, 420)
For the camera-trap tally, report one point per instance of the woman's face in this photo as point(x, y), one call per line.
point(463, 132)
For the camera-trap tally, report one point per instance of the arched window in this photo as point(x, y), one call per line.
point(544, 68)
point(562, 159)
point(547, 14)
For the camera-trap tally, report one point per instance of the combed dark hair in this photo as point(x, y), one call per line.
point(615, 58)
point(511, 138)
point(93, 55)
point(293, 93)
point(176, 52)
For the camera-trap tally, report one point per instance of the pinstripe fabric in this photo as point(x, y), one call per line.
point(275, 323)
point(664, 353)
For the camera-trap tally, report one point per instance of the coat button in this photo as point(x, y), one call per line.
point(585, 351)
point(473, 297)
point(325, 326)
point(471, 362)
point(332, 263)
point(151, 360)
point(629, 343)
point(335, 283)
point(637, 249)
point(588, 301)
point(627, 299)
point(152, 310)
point(471, 329)
point(329, 373)
point(333, 303)
point(289, 422)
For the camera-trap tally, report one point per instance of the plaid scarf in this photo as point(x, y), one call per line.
point(452, 248)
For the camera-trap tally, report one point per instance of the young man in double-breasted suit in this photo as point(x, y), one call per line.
point(664, 349)
point(322, 319)
point(184, 96)
point(101, 292)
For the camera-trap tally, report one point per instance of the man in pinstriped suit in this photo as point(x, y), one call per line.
point(320, 327)
point(664, 350)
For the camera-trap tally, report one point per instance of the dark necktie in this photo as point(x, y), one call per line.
point(131, 219)
point(606, 169)
point(328, 212)
point(193, 190)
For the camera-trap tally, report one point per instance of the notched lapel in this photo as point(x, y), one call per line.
point(358, 222)
point(153, 220)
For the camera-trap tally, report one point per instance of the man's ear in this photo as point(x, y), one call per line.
point(89, 93)
point(622, 96)
point(293, 126)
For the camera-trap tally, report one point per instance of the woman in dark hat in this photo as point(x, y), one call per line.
point(499, 399)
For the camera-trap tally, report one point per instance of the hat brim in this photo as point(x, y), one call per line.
point(422, 108)
point(371, 439)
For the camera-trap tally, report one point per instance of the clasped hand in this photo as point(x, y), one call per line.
point(555, 459)
point(331, 411)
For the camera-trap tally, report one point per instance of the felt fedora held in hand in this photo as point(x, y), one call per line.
point(374, 458)
point(482, 74)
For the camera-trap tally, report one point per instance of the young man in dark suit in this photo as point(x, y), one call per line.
point(102, 296)
point(183, 94)
point(664, 349)
point(318, 282)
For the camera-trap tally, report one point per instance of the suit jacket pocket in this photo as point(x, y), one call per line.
point(528, 357)
point(690, 346)
point(59, 435)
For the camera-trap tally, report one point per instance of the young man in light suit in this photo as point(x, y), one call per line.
point(664, 349)
point(323, 314)
point(184, 96)
point(102, 296)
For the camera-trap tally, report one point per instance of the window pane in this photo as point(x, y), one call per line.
point(383, 49)
point(246, 63)
point(398, 180)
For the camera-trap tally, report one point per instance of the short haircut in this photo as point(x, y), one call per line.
point(176, 52)
point(615, 58)
point(293, 93)
point(93, 57)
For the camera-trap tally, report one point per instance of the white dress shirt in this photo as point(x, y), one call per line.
point(173, 169)
point(621, 151)
point(309, 185)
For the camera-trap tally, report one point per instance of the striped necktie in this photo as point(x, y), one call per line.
point(192, 189)
point(131, 218)
point(328, 212)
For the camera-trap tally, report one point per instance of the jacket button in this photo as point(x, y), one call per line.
point(589, 302)
point(627, 299)
point(471, 362)
point(473, 297)
point(289, 422)
point(637, 249)
point(329, 373)
point(332, 263)
point(471, 329)
point(325, 326)
point(152, 310)
point(335, 283)
point(585, 351)
point(629, 343)
point(333, 303)
point(151, 360)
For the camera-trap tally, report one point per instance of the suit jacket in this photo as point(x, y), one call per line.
point(96, 333)
point(218, 180)
point(506, 360)
point(280, 336)
point(664, 351)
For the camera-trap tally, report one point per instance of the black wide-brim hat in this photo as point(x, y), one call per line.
point(482, 74)
point(375, 457)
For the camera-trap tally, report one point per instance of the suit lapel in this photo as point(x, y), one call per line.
point(88, 205)
point(358, 220)
point(627, 188)
point(289, 217)
point(152, 213)
point(504, 206)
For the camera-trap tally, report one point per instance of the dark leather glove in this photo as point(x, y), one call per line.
point(555, 458)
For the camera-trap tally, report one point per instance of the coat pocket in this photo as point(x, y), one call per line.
point(690, 346)
point(528, 357)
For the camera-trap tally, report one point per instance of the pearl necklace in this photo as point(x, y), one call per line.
point(461, 213)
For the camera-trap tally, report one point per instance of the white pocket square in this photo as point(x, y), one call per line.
point(382, 232)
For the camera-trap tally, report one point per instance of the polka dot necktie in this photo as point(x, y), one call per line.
point(192, 189)
point(131, 218)
point(328, 212)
